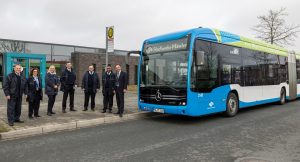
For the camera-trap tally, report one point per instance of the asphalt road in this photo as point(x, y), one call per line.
point(269, 133)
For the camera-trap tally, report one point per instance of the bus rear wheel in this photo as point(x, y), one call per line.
point(232, 105)
point(282, 96)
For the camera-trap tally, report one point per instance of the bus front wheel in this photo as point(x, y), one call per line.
point(282, 96)
point(232, 105)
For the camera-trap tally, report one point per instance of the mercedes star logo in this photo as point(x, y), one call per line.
point(158, 96)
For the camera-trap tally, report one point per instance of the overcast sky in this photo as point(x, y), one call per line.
point(83, 22)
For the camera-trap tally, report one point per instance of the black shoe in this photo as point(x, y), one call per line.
point(85, 109)
point(117, 113)
point(93, 109)
point(11, 124)
point(49, 114)
point(73, 110)
point(64, 111)
point(30, 117)
point(104, 111)
point(37, 116)
point(121, 115)
point(19, 121)
point(52, 112)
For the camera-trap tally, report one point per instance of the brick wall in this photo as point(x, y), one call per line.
point(81, 61)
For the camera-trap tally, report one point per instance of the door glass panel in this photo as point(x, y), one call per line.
point(1, 70)
point(33, 63)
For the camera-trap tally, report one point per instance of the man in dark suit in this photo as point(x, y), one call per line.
point(108, 88)
point(14, 87)
point(67, 81)
point(121, 88)
point(90, 85)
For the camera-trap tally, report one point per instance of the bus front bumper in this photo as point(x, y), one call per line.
point(164, 109)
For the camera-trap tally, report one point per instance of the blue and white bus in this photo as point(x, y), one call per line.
point(203, 71)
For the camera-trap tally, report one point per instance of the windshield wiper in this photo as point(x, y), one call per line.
point(172, 88)
point(161, 85)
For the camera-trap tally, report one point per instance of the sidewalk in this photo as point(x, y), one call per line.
point(69, 120)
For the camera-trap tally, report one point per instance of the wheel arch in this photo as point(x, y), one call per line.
point(236, 93)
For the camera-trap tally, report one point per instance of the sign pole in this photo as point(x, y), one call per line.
point(106, 54)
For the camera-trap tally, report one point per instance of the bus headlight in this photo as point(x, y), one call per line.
point(182, 103)
point(141, 100)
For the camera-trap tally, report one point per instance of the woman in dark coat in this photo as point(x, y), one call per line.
point(51, 89)
point(35, 93)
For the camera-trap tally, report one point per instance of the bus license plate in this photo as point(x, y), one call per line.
point(159, 110)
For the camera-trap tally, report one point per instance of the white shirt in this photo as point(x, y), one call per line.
point(118, 74)
point(36, 79)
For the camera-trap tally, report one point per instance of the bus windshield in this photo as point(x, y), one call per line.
point(167, 69)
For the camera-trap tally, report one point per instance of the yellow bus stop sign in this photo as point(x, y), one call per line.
point(110, 33)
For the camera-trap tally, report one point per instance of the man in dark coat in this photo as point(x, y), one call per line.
point(108, 86)
point(14, 88)
point(90, 85)
point(67, 81)
point(121, 88)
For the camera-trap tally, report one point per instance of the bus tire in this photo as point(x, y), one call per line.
point(232, 105)
point(282, 96)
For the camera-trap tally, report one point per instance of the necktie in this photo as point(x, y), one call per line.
point(36, 83)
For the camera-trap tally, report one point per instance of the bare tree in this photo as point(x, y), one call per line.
point(273, 29)
point(12, 46)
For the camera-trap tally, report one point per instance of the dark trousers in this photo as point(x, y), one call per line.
point(68, 90)
point(108, 100)
point(14, 109)
point(51, 101)
point(120, 101)
point(87, 96)
point(34, 107)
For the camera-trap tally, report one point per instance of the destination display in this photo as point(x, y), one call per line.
point(169, 46)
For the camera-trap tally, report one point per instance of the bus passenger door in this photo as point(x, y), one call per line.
point(292, 80)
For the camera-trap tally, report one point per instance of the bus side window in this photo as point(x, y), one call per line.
point(204, 67)
point(231, 74)
point(226, 74)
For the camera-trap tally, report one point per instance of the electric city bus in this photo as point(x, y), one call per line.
point(203, 71)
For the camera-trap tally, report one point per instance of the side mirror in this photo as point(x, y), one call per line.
point(199, 58)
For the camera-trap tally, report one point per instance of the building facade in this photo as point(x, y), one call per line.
point(60, 54)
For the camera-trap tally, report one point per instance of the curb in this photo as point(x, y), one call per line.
point(26, 132)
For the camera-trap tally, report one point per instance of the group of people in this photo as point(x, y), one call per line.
point(15, 85)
